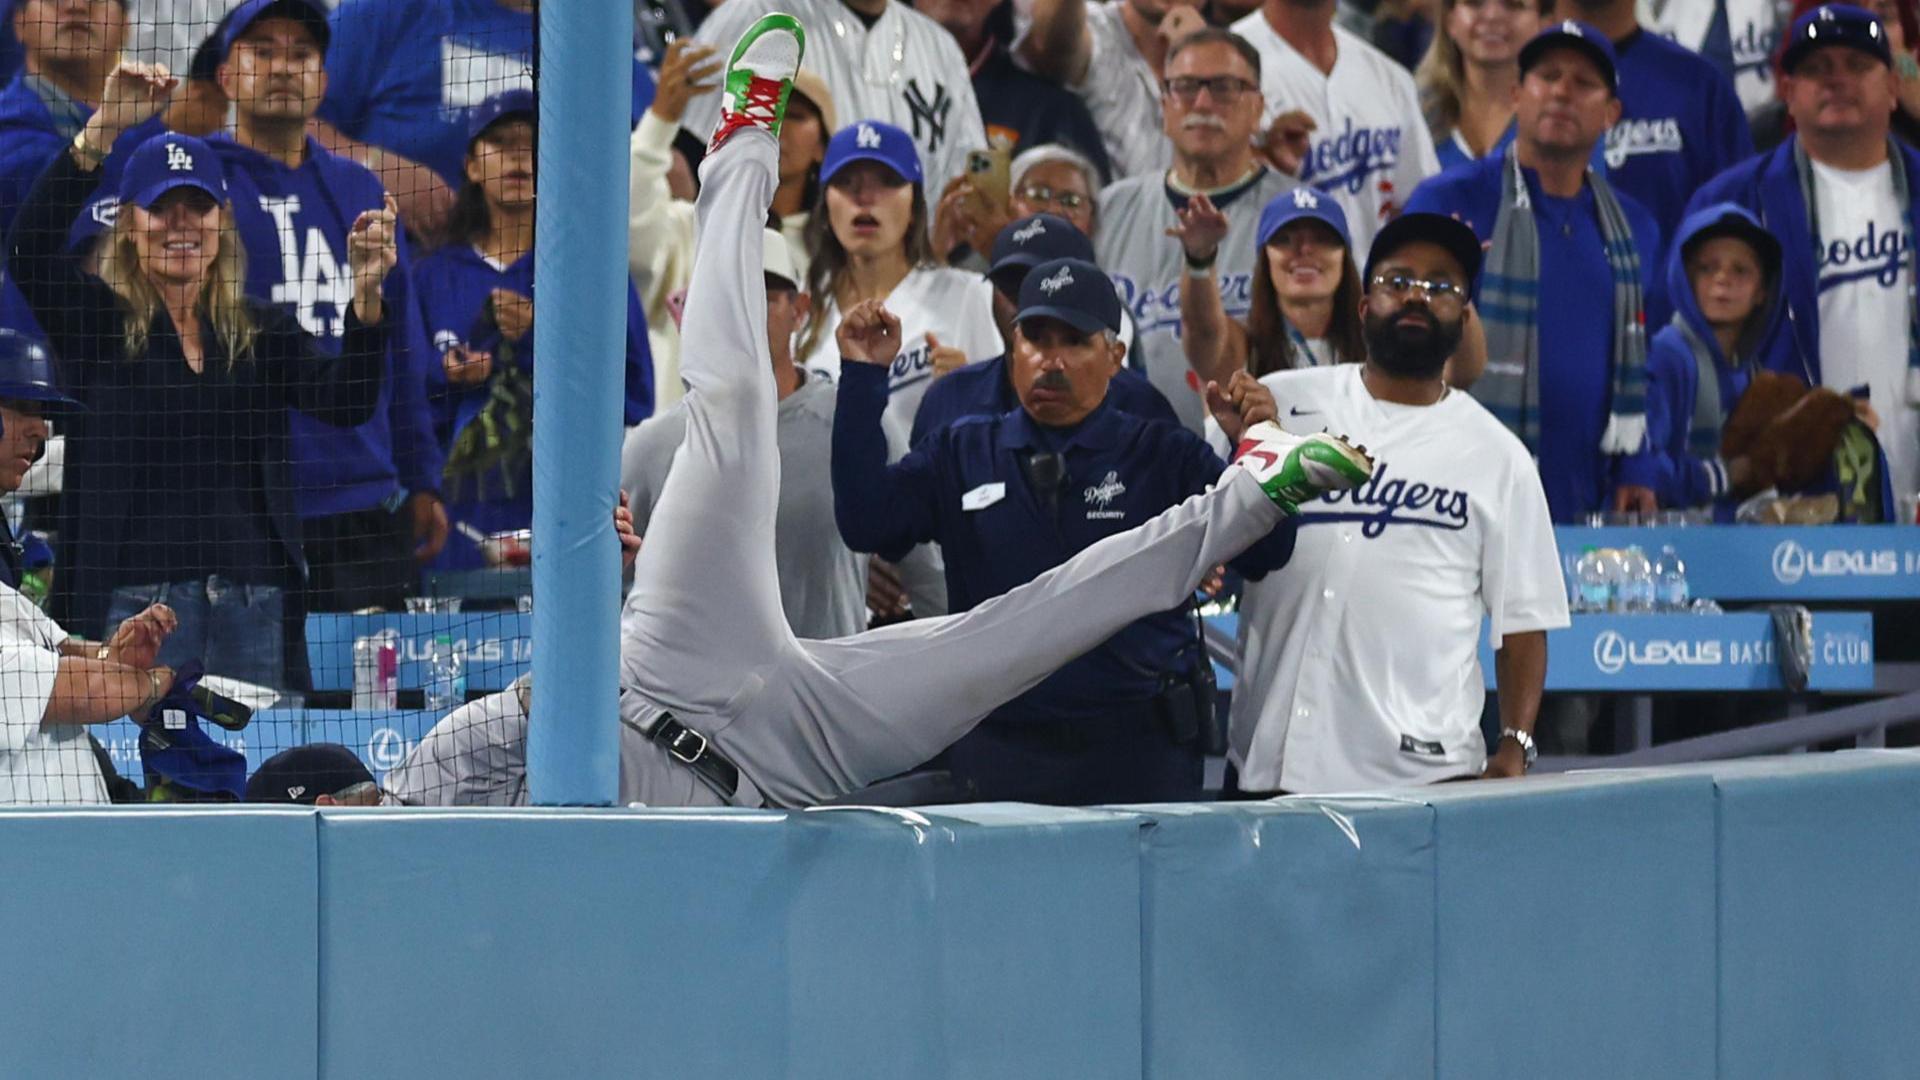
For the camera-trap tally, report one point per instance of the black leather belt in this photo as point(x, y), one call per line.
point(690, 748)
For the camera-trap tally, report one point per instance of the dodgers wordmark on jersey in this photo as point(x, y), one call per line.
point(1147, 267)
point(1370, 146)
point(1359, 665)
point(905, 69)
point(1741, 43)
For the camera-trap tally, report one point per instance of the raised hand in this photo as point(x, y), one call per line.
point(945, 357)
point(1202, 227)
point(372, 250)
point(1243, 402)
point(869, 334)
point(687, 69)
point(133, 94)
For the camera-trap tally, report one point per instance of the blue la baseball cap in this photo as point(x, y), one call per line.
point(1035, 239)
point(1573, 34)
point(1302, 202)
point(1074, 291)
point(167, 161)
point(500, 106)
point(243, 17)
point(1835, 24)
point(872, 140)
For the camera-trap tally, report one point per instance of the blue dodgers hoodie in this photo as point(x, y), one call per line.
point(294, 224)
point(454, 284)
point(1691, 474)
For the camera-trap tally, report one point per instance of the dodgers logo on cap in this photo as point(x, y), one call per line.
point(178, 160)
point(867, 138)
point(1032, 229)
point(1073, 291)
point(1058, 281)
point(1304, 198)
point(872, 140)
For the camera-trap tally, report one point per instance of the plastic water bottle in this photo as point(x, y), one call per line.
point(376, 665)
point(1591, 589)
point(1670, 581)
point(1636, 582)
point(446, 673)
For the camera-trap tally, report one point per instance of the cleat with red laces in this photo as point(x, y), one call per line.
point(1293, 469)
point(760, 76)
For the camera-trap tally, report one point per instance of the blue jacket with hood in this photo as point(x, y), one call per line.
point(1687, 478)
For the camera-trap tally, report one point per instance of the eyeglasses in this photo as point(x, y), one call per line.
point(1224, 89)
point(1438, 293)
point(1066, 200)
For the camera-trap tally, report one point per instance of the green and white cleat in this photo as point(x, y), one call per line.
point(1293, 469)
point(760, 76)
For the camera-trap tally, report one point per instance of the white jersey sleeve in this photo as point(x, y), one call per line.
point(1122, 95)
point(1521, 580)
point(27, 674)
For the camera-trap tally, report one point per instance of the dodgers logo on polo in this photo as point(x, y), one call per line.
point(1101, 495)
point(1610, 652)
point(1061, 278)
point(867, 138)
point(1029, 231)
point(178, 160)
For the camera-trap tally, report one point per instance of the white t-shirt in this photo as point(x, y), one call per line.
point(1865, 271)
point(955, 306)
point(1370, 146)
point(1359, 662)
point(907, 71)
point(1753, 25)
point(38, 764)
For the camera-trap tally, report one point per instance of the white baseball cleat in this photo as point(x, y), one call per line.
point(1293, 469)
point(760, 76)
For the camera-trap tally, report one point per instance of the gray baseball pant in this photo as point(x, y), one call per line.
point(703, 634)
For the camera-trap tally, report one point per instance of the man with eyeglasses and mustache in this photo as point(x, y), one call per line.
point(368, 496)
point(1212, 109)
point(1359, 667)
point(1568, 279)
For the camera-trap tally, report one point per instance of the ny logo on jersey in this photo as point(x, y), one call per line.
point(1305, 199)
point(867, 138)
point(178, 160)
point(1060, 280)
point(1028, 232)
point(310, 275)
point(929, 117)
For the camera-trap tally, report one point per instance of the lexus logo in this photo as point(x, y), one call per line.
point(1610, 652)
point(386, 749)
point(1789, 562)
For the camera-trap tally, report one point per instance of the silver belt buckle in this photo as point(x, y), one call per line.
point(687, 734)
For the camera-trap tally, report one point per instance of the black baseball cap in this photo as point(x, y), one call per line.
point(1035, 239)
point(1579, 36)
point(1449, 233)
point(1074, 291)
point(305, 773)
point(1835, 24)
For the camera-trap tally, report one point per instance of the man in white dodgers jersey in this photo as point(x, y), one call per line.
point(719, 703)
point(1359, 666)
point(1369, 146)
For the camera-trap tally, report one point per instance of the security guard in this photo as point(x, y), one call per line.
point(985, 388)
point(1008, 497)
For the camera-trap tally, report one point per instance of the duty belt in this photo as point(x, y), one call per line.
point(692, 749)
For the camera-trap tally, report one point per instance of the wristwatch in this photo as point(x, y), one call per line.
point(1526, 743)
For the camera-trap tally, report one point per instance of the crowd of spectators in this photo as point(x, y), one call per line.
point(274, 261)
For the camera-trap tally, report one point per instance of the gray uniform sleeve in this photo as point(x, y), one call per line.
point(475, 756)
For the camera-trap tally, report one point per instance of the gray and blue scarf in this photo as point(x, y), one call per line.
point(1509, 307)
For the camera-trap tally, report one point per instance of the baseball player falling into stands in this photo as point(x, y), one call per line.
point(720, 703)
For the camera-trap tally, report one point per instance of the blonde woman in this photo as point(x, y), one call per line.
point(178, 487)
point(1467, 78)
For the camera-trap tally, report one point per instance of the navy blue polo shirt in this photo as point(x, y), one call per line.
point(983, 389)
point(964, 487)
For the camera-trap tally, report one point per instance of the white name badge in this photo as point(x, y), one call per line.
point(983, 496)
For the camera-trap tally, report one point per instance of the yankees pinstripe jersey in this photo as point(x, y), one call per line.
point(1147, 267)
point(907, 70)
point(1370, 145)
point(1122, 93)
